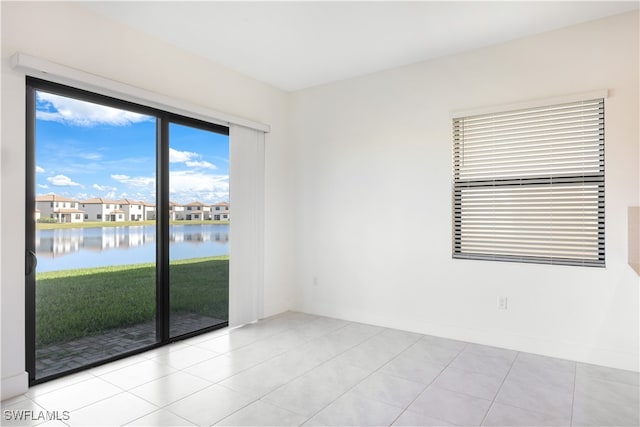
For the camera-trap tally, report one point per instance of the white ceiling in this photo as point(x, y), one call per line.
point(295, 45)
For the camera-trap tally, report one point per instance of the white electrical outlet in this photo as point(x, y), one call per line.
point(502, 303)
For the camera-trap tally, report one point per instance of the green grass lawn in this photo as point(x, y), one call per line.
point(71, 304)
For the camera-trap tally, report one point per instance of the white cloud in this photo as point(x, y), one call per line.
point(136, 181)
point(39, 169)
point(176, 156)
point(190, 159)
point(43, 186)
point(90, 156)
point(62, 181)
point(143, 196)
point(81, 113)
point(187, 186)
point(103, 187)
point(110, 195)
point(201, 164)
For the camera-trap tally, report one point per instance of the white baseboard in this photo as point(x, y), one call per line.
point(575, 351)
point(14, 386)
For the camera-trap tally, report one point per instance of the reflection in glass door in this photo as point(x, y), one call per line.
point(93, 207)
point(198, 212)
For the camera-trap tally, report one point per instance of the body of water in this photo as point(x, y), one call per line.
point(70, 248)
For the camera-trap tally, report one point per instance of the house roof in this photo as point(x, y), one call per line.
point(98, 200)
point(196, 203)
point(129, 202)
point(221, 204)
point(53, 198)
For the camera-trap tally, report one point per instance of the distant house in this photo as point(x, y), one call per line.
point(196, 211)
point(117, 215)
point(133, 211)
point(149, 211)
point(99, 209)
point(176, 212)
point(220, 211)
point(58, 208)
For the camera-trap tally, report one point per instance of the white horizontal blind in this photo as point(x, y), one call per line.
point(529, 185)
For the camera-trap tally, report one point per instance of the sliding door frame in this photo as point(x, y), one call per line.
point(163, 120)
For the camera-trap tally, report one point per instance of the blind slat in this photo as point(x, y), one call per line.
point(529, 185)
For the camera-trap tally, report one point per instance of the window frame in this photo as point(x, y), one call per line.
point(163, 119)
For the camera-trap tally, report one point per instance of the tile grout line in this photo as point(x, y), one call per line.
point(348, 389)
point(226, 354)
point(430, 383)
point(99, 376)
point(521, 407)
point(278, 355)
point(92, 376)
point(382, 366)
point(573, 395)
point(500, 388)
point(137, 385)
point(158, 409)
point(251, 402)
point(265, 322)
point(265, 361)
point(391, 375)
point(165, 407)
point(296, 326)
point(291, 380)
point(91, 403)
point(469, 371)
point(231, 389)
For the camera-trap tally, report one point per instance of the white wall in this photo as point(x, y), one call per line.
point(385, 139)
point(340, 154)
point(68, 34)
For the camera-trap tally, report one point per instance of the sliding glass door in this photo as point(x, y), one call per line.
point(123, 252)
point(199, 249)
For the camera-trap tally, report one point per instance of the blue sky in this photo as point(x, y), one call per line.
point(86, 150)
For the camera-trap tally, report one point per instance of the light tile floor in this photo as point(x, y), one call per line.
point(298, 369)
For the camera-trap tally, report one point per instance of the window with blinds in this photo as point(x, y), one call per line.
point(529, 185)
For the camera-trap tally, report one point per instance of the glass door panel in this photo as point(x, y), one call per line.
point(199, 229)
point(95, 234)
